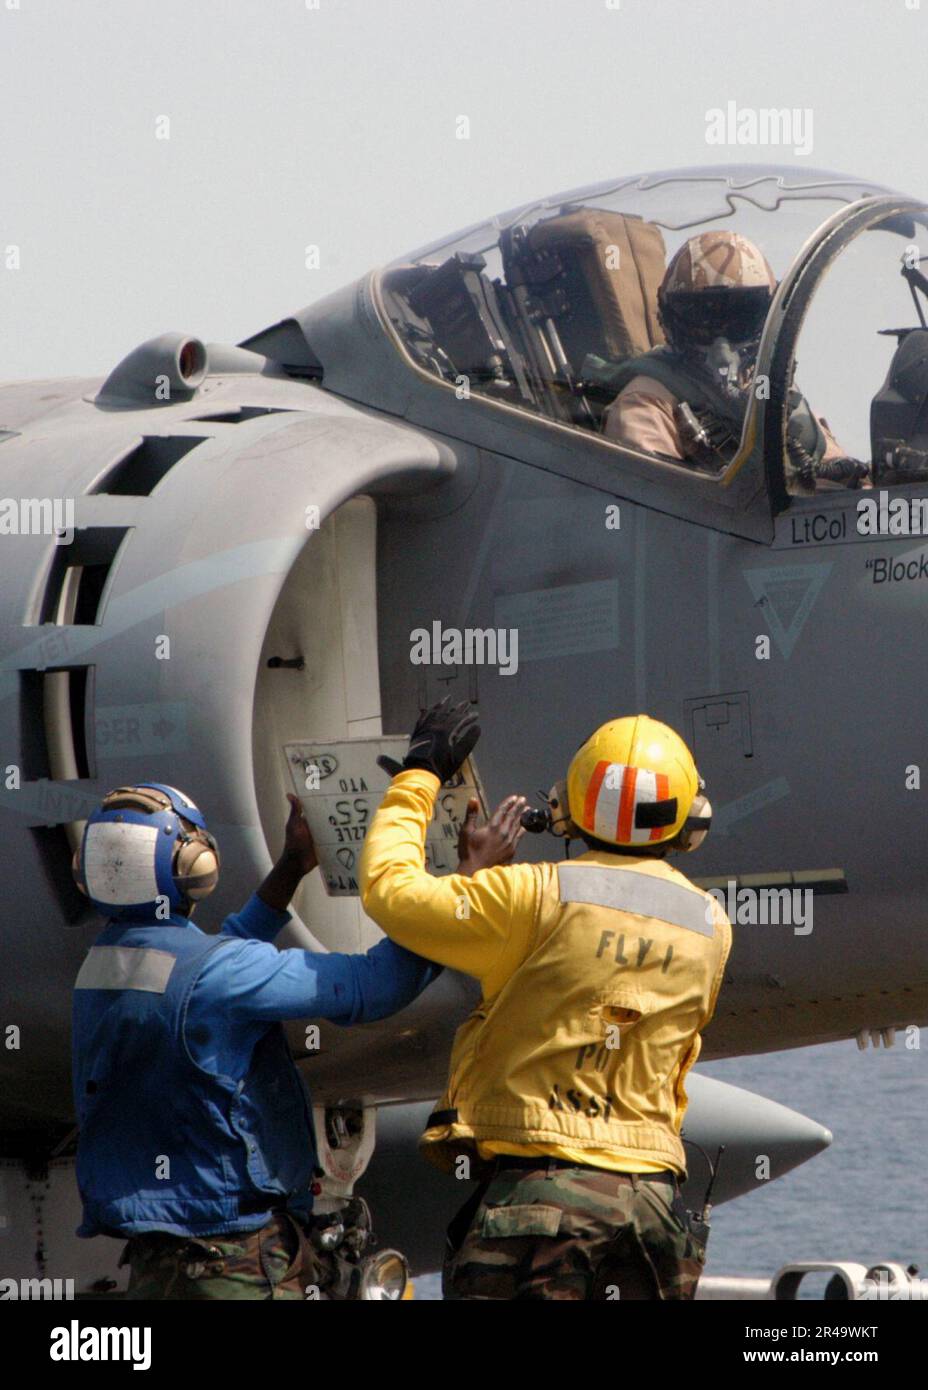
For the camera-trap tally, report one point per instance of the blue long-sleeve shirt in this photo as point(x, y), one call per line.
point(193, 1117)
point(242, 989)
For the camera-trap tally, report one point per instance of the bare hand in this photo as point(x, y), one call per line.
point(483, 847)
point(298, 840)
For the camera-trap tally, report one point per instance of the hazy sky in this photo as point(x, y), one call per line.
point(292, 125)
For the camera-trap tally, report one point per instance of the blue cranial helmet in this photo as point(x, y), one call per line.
point(146, 852)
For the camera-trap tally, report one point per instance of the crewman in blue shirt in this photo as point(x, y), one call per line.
point(196, 1137)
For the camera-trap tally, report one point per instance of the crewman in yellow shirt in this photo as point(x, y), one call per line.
point(566, 1084)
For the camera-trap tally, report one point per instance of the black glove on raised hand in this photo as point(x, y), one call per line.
point(443, 738)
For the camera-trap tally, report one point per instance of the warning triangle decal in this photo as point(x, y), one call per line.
point(786, 596)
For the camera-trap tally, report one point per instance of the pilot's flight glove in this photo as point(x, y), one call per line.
point(850, 472)
point(443, 738)
point(805, 438)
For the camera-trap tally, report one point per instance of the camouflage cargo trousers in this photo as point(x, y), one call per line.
point(274, 1262)
point(555, 1232)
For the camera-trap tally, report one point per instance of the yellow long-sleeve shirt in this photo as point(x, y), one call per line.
point(481, 925)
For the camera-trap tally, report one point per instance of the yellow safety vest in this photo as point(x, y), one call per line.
point(597, 975)
point(588, 1043)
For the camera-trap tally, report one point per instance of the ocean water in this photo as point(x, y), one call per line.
point(862, 1199)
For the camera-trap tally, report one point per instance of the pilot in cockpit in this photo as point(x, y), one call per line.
point(686, 401)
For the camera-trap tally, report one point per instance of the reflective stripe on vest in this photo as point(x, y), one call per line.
point(126, 967)
point(627, 890)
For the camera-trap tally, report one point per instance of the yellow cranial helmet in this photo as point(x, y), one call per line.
point(632, 783)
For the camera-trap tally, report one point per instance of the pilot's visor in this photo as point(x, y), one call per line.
point(729, 312)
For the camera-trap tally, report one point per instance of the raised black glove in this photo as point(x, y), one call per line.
point(443, 738)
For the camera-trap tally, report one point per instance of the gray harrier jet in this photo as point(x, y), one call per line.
point(223, 556)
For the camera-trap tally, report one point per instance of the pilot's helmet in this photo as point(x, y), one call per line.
point(145, 849)
point(718, 284)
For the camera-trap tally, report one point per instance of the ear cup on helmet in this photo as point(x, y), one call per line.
point(196, 865)
point(559, 811)
point(696, 826)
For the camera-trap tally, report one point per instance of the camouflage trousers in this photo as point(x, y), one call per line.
point(551, 1232)
point(274, 1262)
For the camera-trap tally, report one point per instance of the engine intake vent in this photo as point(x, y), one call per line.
point(139, 473)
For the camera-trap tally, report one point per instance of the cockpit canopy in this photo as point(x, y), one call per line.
point(539, 308)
